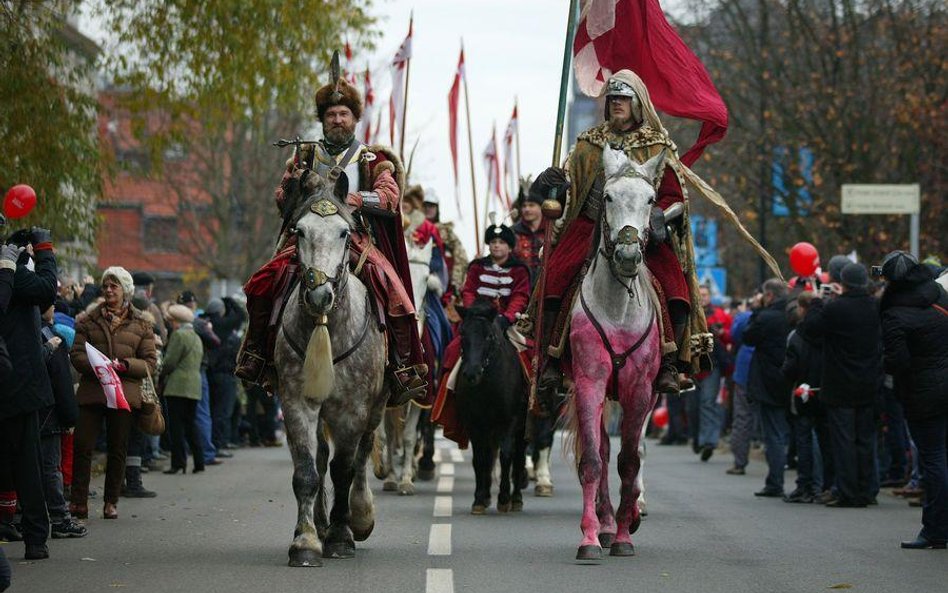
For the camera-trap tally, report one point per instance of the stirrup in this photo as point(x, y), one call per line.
point(667, 380)
point(250, 367)
point(409, 384)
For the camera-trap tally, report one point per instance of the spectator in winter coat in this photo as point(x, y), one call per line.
point(181, 372)
point(803, 368)
point(226, 317)
point(852, 377)
point(26, 391)
point(209, 339)
point(767, 332)
point(915, 325)
point(125, 335)
point(742, 424)
point(56, 420)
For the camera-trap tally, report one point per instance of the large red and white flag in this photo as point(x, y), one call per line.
point(633, 34)
point(492, 167)
point(366, 132)
point(453, 98)
point(108, 378)
point(396, 103)
point(510, 170)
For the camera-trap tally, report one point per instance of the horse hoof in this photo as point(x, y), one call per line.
point(543, 490)
point(478, 509)
point(362, 535)
point(622, 549)
point(339, 550)
point(503, 507)
point(389, 486)
point(406, 489)
point(606, 539)
point(426, 475)
point(516, 506)
point(304, 557)
point(589, 554)
point(634, 525)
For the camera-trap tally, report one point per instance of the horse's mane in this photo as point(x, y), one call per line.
point(481, 308)
point(315, 189)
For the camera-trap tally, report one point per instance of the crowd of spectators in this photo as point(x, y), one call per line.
point(56, 422)
point(842, 378)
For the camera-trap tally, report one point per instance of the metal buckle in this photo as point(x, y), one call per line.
point(313, 278)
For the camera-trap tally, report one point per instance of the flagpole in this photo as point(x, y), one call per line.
point(564, 82)
point(401, 147)
point(470, 152)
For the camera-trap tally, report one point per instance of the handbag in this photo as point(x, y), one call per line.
point(150, 419)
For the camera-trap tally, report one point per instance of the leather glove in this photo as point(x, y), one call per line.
point(40, 235)
point(657, 224)
point(551, 183)
point(10, 253)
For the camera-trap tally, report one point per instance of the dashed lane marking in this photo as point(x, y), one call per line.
point(443, 506)
point(436, 457)
point(439, 540)
point(439, 580)
point(447, 469)
point(445, 485)
point(457, 456)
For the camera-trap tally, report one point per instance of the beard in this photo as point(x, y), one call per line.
point(339, 134)
point(622, 124)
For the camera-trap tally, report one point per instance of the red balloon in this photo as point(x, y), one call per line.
point(804, 259)
point(19, 201)
point(660, 417)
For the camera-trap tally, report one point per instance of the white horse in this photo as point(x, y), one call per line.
point(330, 358)
point(399, 433)
point(615, 341)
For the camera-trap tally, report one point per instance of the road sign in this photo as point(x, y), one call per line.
point(878, 198)
point(715, 278)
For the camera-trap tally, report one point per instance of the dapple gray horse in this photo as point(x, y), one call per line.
point(330, 359)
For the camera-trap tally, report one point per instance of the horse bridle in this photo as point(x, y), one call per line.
point(628, 235)
point(312, 278)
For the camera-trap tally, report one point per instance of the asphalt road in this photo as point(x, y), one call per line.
point(228, 530)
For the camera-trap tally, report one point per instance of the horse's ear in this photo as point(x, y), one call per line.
point(611, 161)
point(654, 166)
point(341, 188)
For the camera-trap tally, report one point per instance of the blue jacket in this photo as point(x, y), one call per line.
point(745, 353)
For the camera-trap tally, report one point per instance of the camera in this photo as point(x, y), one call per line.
point(876, 271)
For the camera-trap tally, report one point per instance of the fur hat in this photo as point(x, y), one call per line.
point(499, 231)
point(120, 275)
point(415, 196)
point(338, 93)
point(181, 314)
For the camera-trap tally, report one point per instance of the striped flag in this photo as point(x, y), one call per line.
point(396, 103)
point(108, 378)
point(492, 166)
point(366, 132)
point(510, 170)
point(453, 96)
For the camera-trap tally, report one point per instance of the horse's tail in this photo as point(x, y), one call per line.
point(572, 444)
point(319, 377)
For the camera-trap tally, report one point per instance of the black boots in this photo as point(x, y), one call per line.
point(253, 360)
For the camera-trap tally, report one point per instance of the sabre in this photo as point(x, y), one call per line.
point(297, 142)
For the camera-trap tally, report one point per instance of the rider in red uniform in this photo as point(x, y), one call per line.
point(373, 179)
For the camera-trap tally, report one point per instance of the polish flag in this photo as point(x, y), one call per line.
point(633, 34)
point(492, 166)
point(108, 378)
point(453, 97)
point(350, 72)
point(396, 103)
point(510, 170)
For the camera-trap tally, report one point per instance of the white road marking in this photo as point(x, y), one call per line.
point(437, 456)
point(439, 540)
point(457, 456)
point(443, 506)
point(445, 485)
point(439, 580)
point(447, 469)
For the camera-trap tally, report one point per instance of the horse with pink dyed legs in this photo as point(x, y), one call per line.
point(615, 343)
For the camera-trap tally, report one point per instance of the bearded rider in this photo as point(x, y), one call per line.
point(372, 179)
point(631, 126)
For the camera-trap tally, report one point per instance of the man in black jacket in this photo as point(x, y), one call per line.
point(27, 390)
point(852, 378)
point(767, 332)
point(915, 325)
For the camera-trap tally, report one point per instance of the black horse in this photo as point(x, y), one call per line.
point(492, 405)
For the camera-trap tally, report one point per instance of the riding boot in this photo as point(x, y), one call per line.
point(551, 376)
point(409, 381)
point(254, 364)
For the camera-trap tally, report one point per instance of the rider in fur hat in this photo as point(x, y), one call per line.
point(372, 179)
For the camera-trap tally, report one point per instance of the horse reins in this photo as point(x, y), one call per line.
point(618, 360)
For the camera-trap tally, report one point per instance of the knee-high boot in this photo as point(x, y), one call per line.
point(255, 358)
point(408, 372)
